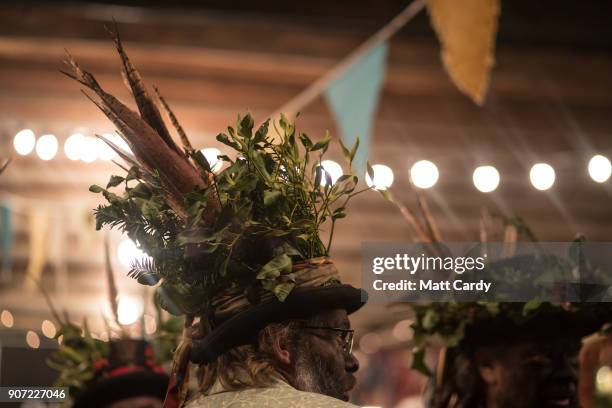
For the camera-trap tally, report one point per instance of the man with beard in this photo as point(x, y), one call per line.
point(296, 363)
point(512, 358)
point(237, 251)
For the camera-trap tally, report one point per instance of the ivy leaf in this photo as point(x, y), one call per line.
point(318, 175)
point(133, 173)
point(94, 188)
point(282, 290)
point(353, 151)
point(370, 171)
point(262, 132)
point(114, 181)
point(271, 196)
point(418, 362)
point(306, 142)
point(531, 306)
point(276, 267)
point(322, 144)
point(223, 138)
point(345, 151)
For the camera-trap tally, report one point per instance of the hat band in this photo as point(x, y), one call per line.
point(309, 273)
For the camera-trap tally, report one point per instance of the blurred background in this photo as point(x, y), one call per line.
point(550, 101)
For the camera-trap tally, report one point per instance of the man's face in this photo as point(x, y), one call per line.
point(321, 363)
point(532, 374)
point(138, 402)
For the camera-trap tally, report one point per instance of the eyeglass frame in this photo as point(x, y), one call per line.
point(347, 345)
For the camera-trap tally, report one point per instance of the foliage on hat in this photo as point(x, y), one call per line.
point(205, 232)
point(445, 324)
point(83, 357)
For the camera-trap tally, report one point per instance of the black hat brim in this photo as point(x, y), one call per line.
point(551, 322)
point(301, 303)
point(110, 390)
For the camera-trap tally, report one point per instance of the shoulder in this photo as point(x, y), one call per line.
point(272, 397)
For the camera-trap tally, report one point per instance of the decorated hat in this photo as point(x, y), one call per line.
point(466, 326)
point(128, 372)
point(232, 250)
point(100, 372)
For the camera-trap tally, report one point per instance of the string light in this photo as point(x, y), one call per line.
point(486, 178)
point(46, 147)
point(370, 343)
point(383, 177)
point(603, 380)
point(128, 253)
point(333, 169)
point(424, 174)
point(89, 149)
point(129, 310)
point(600, 168)
point(6, 318)
point(211, 153)
point(32, 339)
point(73, 146)
point(542, 176)
point(402, 330)
point(48, 329)
point(24, 142)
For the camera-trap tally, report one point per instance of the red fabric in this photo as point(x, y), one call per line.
point(172, 399)
point(124, 370)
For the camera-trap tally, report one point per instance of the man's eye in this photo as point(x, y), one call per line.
point(538, 360)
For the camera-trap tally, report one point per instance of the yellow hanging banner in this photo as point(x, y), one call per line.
point(467, 30)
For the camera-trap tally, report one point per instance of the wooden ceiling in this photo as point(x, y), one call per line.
point(550, 101)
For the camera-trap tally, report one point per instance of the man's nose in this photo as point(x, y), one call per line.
point(352, 364)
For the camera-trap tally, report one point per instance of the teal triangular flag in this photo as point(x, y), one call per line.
point(353, 98)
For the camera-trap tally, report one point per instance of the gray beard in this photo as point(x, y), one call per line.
point(312, 374)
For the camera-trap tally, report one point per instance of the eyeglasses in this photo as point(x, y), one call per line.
point(346, 336)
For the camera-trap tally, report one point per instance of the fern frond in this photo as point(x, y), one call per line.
point(146, 271)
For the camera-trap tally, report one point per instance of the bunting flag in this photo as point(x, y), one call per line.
point(353, 98)
point(39, 229)
point(6, 242)
point(467, 32)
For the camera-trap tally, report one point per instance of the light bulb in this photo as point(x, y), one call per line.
point(333, 169)
point(542, 176)
point(383, 177)
point(46, 147)
point(486, 178)
point(24, 142)
point(424, 174)
point(600, 168)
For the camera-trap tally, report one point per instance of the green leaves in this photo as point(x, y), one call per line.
point(271, 196)
point(114, 181)
point(272, 209)
point(418, 362)
point(349, 155)
point(279, 265)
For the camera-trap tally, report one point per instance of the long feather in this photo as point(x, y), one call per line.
point(146, 106)
point(148, 146)
point(52, 308)
point(179, 129)
point(411, 218)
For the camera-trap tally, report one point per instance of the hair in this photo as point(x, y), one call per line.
point(461, 385)
point(253, 364)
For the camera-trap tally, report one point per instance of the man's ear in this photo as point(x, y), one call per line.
point(489, 371)
point(281, 351)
